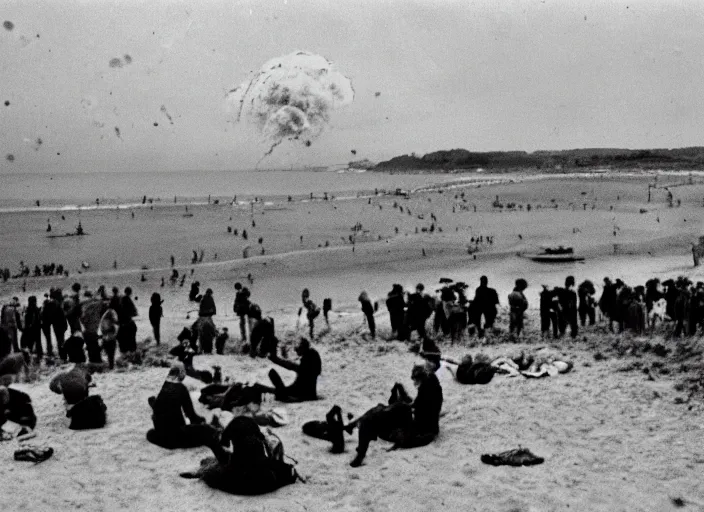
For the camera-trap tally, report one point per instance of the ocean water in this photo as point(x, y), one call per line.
point(22, 190)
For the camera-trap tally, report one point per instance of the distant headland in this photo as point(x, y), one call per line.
point(497, 161)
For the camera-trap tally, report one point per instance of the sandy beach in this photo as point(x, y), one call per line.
point(612, 439)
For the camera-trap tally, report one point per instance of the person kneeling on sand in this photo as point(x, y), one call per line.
point(307, 371)
point(86, 412)
point(170, 428)
point(406, 423)
point(16, 406)
point(251, 468)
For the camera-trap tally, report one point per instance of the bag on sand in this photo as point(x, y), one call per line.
point(36, 454)
point(517, 457)
point(89, 413)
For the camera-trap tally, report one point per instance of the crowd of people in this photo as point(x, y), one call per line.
point(74, 324)
point(245, 460)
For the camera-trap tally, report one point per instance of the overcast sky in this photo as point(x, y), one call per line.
point(494, 75)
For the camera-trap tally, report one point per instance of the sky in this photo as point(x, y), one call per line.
point(428, 75)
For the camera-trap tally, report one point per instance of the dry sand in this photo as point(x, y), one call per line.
point(612, 440)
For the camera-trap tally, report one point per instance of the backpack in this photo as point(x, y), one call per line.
point(89, 413)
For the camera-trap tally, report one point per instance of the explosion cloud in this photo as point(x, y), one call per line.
point(292, 98)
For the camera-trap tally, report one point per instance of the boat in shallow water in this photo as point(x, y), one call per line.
point(558, 254)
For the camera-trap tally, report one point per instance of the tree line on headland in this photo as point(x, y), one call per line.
point(455, 159)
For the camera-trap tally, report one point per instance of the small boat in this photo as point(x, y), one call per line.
point(558, 254)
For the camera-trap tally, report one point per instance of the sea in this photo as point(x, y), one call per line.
point(70, 190)
point(98, 190)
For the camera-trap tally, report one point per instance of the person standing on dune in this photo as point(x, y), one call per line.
point(518, 305)
point(156, 312)
point(368, 311)
point(241, 308)
point(127, 335)
point(485, 300)
point(312, 310)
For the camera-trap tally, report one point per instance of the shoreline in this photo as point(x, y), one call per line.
point(462, 179)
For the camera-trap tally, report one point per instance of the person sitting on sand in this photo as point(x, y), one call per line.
point(185, 353)
point(307, 371)
point(252, 468)
point(16, 406)
point(170, 428)
point(406, 424)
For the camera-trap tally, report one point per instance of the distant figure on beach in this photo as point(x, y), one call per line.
point(156, 312)
point(174, 276)
point(173, 260)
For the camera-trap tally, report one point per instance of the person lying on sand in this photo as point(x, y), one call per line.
point(406, 424)
point(170, 428)
point(469, 371)
point(307, 371)
point(541, 366)
point(252, 468)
